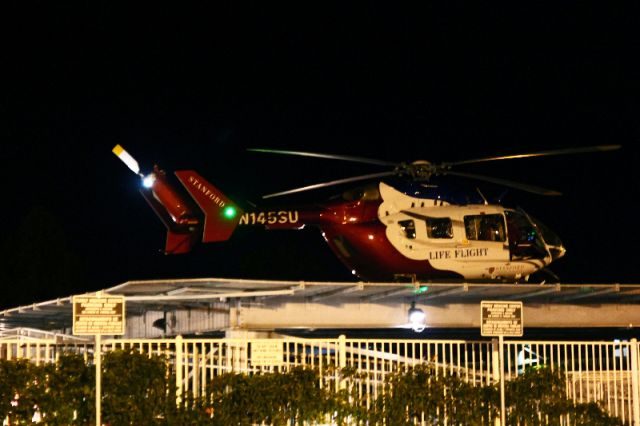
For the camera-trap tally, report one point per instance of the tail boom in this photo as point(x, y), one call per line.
point(185, 225)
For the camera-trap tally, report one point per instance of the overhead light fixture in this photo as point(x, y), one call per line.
point(417, 318)
point(160, 323)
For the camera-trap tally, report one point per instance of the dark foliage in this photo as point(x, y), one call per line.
point(140, 389)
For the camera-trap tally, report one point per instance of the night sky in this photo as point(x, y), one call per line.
point(193, 88)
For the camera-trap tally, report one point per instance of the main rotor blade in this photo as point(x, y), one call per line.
point(333, 182)
point(517, 185)
point(598, 148)
point(328, 156)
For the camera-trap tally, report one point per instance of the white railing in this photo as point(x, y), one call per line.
point(603, 372)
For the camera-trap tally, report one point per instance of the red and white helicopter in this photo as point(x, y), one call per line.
point(401, 226)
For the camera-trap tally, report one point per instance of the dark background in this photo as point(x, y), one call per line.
point(193, 87)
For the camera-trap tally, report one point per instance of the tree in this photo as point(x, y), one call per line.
point(36, 262)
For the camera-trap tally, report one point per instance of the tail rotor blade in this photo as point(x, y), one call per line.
point(126, 158)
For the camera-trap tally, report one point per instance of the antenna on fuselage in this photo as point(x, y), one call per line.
point(502, 195)
point(483, 197)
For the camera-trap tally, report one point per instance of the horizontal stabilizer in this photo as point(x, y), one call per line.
point(180, 239)
point(178, 243)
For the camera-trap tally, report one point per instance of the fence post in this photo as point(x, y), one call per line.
point(97, 360)
point(495, 361)
point(342, 358)
point(634, 381)
point(179, 370)
point(495, 369)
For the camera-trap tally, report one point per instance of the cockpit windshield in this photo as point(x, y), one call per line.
point(525, 241)
point(549, 236)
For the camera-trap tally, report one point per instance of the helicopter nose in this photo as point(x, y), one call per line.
point(557, 252)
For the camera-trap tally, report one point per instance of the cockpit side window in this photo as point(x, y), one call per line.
point(408, 228)
point(439, 227)
point(485, 227)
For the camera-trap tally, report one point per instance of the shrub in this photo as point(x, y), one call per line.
point(140, 389)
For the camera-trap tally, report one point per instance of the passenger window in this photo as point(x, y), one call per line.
point(486, 227)
point(408, 227)
point(439, 227)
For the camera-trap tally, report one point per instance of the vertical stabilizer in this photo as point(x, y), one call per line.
point(221, 215)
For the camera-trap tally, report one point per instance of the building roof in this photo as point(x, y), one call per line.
point(169, 294)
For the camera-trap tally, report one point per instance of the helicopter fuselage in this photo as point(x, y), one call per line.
point(410, 228)
point(386, 234)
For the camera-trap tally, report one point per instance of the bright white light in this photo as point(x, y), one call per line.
point(370, 237)
point(417, 316)
point(353, 272)
point(126, 159)
point(417, 319)
point(148, 180)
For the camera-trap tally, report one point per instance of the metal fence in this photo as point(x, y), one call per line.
point(603, 372)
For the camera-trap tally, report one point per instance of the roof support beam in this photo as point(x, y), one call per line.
point(583, 295)
point(554, 289)
point(371, 315)
point(220, 296)
point(384, 294)
point(337, 291)
point(460, 289)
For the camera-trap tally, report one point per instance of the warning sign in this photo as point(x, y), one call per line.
point(266, 353)
point(98, 314)
point(501, 318)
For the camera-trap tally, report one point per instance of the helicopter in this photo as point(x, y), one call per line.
point(402, 223)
